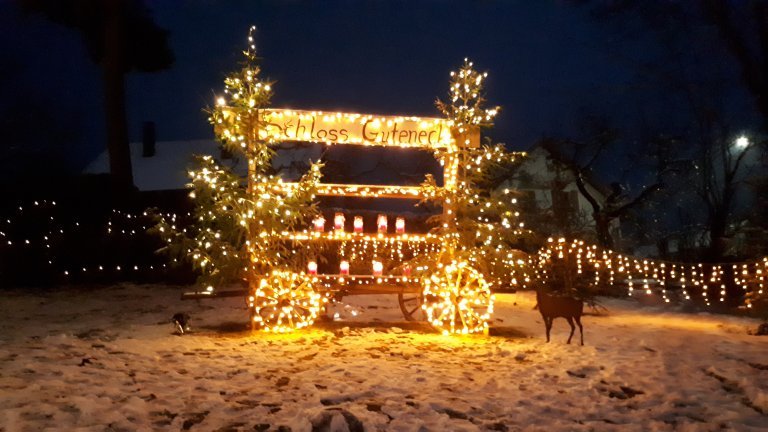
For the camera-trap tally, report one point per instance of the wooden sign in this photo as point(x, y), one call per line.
point(360, 129)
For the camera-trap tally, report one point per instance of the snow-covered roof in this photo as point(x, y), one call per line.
point(167, 169)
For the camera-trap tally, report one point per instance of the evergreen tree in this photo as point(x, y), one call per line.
point(479, 224)
point(240, 223)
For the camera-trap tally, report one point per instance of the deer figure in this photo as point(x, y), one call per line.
point(552, 306)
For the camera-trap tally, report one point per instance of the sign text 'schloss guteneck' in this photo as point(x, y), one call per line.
point(347, 128)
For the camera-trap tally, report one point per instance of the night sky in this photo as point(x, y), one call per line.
point(547, 62)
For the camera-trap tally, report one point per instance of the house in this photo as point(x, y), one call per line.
point(164, 165)
point(164, 169)
point(550, 200)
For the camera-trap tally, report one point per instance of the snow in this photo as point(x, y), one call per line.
point(167, 169)
point(106, 359)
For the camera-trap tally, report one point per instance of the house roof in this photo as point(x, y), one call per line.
point(557, 156)
point(167, 169)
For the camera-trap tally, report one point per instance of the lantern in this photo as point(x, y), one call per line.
point(338, 222)
point(312, 268)
point(381, 223)
point(344, 267)
point(358, 224)
point(378, 267)
point(319, 224)
point(400, 225)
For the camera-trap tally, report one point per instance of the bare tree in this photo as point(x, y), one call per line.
point(583, 161)
point(121, 37)
point(691, 40)
point(719, 176)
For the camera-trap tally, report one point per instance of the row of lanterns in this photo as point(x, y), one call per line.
point(338, 224)
point(378, 268)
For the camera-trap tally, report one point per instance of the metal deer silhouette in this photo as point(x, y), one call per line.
point(569, 308)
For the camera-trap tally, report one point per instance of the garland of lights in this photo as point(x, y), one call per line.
point(690, 279)
point(590, 267)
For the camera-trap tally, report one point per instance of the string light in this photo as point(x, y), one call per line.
point(656, 276)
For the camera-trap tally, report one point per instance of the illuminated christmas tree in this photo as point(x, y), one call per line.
point(479, 225)
point(238, 223)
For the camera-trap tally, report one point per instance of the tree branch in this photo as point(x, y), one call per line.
point(581, 185)
point(644, 195)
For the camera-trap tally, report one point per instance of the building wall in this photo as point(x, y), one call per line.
point(538, 176)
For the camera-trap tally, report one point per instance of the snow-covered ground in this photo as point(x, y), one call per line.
point(106, 359)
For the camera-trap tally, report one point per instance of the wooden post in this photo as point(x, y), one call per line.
point(453, 168)
point(250, 277)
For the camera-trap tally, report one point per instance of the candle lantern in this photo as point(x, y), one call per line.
point(400, 225)
point(344, 267)
point(378, 267)
point(381, 223)
point(312, 268)
point(358, 224)
point(319, 224)
point(338, 222)
point(407, 271)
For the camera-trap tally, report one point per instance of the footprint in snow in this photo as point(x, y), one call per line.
point(336, 419)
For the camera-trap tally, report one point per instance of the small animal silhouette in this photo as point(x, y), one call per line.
point(552, 306)
point(180, 322)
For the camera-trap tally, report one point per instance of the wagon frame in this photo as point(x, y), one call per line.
point(298, 291)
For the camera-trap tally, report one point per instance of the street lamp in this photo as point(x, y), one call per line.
point(742, 142)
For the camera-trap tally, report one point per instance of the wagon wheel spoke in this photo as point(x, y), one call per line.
point(457, 284)
point(410, 304)
point(462, 286)
point(287, 302)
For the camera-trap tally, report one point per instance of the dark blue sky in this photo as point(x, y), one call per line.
point(387, 57)
point(546, 61)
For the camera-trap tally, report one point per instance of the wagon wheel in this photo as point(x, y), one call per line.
point(458, 299)
point(410, 304)
point(284, 301)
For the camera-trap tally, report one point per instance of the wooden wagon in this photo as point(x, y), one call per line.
point(281, 300)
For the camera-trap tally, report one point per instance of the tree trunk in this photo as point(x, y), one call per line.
point(113, 69)
point(603, 229)
point(717, 229)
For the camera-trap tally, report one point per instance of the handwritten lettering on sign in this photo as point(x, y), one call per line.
point(350, 128)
